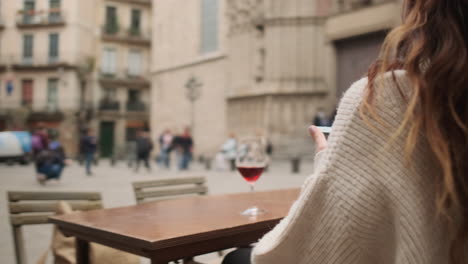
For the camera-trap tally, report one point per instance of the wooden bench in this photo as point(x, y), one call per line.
point(33, 208)
point(169, 188)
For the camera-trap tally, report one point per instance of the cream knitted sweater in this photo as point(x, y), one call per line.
point(363, 204)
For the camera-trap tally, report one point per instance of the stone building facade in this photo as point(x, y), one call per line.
point(51, 67)
point(189, 61)
point(279, 62)
point(44, 45)
point(279, 75)
point(121, 87)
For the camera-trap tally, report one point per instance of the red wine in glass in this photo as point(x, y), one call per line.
point(251, 174)
point(251, 160)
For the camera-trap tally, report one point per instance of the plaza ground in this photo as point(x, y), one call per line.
point(114, 183)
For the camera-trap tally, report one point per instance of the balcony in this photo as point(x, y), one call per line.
point(46, 115)
point(138, 2)
point(136, 106)
point(39, 63)
point(123, 78)
point(130, 36)
point(28, 19)
point(109, 105)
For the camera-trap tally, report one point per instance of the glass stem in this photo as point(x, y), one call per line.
point(252, 187)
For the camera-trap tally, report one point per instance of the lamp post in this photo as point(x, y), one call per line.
point(193, 86)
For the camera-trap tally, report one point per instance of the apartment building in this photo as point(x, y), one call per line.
point(121, 98)
point(43, 46)
point(70, 64)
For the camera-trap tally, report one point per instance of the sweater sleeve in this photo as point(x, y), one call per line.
point(340, 206)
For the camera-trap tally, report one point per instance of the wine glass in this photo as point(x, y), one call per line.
point(251, 160)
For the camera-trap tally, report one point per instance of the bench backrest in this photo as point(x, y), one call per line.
point(169, 188)
point(32, 208)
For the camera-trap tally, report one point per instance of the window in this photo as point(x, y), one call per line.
point(134, 102)
point(111, 26)
point(28, 44)
point(209, 26)
point(52, 94)
point(54, 12)
point(135, 25)
point(109, 94)
point(134, 63)
point(109, 99)
point(54, 4)
point(109, 61)
point(133, 96)
point(29, 6)
point(27, 93)
point(53, 47)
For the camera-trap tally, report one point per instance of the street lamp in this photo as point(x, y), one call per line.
point(193, 86)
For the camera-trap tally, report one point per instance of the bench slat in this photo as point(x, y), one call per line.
point(18, 196)
point(172, 192)
point(21, 207)
point(168, 182)
point(18, 220)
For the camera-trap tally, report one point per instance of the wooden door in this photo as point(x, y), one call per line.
point(27, 93)
point(106, 139)
point(354, 56)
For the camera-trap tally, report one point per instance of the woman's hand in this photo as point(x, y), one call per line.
point(319, 138)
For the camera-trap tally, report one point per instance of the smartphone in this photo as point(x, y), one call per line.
point(325, 130)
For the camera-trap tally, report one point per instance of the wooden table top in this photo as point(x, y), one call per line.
point(171, 223)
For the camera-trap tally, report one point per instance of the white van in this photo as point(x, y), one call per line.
point(15, 146)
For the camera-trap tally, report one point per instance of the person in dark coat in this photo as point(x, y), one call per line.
point(51, 161)
point(183, 144)
point(322, 119)
point(88, 147)
point(144, 146)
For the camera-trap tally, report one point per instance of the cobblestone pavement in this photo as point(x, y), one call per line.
point(115, 185)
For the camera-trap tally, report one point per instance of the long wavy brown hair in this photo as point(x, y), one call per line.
point(431, 46)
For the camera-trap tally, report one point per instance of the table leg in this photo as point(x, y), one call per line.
point(82, 251)
point(156, 261)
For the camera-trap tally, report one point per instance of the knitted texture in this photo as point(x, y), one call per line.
point(364, 203)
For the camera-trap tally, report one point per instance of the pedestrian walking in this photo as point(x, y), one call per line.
point(144, 146)
point(321, 118)
point(184, 147)
point(165, 143)
point(229, 150)
point(88, 146)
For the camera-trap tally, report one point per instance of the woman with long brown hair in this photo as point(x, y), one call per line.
point(391, 183)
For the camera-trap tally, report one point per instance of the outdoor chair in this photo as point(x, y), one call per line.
point(168, 189)
point(33, 208)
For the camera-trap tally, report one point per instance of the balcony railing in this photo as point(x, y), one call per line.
point(126, 78)
point(135, 36)
point(40, 18)
point(109, 105)
point(136, 106)
point(140, 2)
point(45, 115)
point(36, 61)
